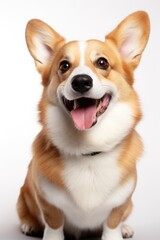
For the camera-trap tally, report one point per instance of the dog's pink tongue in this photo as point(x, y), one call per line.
point(84, 117)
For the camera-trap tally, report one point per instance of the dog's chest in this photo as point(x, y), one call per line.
point(90, 180)
point(92, 189)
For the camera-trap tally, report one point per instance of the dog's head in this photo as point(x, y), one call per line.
point(91, 81)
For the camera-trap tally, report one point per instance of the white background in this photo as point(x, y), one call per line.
point(20, 92)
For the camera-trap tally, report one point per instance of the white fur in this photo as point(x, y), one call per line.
point(26, 228)
point(41, 51)
point(130, 47)
point(114, 124)
point(92, 189)
point(112, 234)
point(127, 231)
point(51, 234)
point(82, 47)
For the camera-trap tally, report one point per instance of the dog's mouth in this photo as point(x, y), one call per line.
point(85, 111)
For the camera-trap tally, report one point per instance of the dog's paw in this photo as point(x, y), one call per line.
point(26, 229)
point(127, 231)
point(29, 231)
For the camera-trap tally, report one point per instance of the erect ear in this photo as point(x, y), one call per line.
point(131, 37)
point(42, 41)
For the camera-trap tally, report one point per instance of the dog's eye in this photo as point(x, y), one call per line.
point(64, 66)
point(102, 63)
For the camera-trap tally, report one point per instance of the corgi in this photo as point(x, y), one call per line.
point(83, 171)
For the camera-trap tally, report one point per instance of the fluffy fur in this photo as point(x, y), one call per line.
point(83, 172)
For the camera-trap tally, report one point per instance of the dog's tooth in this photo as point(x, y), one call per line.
point(75, 104)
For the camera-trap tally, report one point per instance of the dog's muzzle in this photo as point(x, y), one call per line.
point(84, 109)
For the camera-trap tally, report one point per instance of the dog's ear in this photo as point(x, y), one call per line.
point(42, 41)
point(131, 36)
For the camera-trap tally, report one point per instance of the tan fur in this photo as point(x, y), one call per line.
point(47, 160)
point(132, 150)
point(52, 215)
point(27, 207)
point(119, 214)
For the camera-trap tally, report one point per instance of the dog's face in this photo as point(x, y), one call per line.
point(84, 91)
point(89, 82)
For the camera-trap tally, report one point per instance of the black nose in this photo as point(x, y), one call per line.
point(82, 83)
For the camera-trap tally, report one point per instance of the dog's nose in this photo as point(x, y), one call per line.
point(82, 83)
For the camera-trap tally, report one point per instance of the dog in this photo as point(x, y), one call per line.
point(83, 171)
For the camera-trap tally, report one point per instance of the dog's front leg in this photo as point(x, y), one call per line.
point(53, 234)
point(53, 218)
point(112, 234)
point(113, 229)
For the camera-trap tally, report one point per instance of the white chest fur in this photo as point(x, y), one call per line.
point(92, 189)
point(110, 130)
point(90, 179)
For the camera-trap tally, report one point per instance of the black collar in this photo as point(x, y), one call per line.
point(91, 154)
